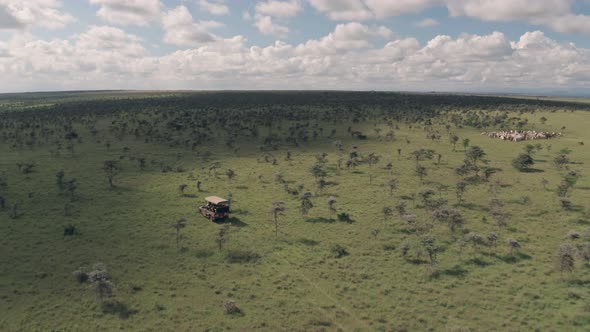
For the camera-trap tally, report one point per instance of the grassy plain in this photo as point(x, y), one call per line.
point(293, 281)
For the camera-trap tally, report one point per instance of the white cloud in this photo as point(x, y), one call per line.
point(426, 23)
point(555, 14)
point(279, 8)
point(42, 13)
point(558, 15)
point(343, 10)
point(266, 26)
point(214, 7)
point(181, 30)
point(128, 12)
point(267, 12)
point(8, 20)
point(345, 37)
point(350, 57)
point(386, 8)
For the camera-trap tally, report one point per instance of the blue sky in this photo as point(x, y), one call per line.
point(451, 45)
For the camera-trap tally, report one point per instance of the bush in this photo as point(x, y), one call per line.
point(339, 251)
point(70, 230)
point(231, 308)
point(522, 162)
point(242, 256)
point(80, 275)
point(344, 217)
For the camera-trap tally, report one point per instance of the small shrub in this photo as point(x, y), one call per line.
point(338, 251)
point(573, 235)
point(231, 308)
point(345, 217)
point(80, 275)
point(117, 308)
point(566, 204)
point(242, 256)
point(405, 248)
point(389, 247)
point(70, 230)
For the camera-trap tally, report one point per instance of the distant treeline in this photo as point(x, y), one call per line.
point(326, 105)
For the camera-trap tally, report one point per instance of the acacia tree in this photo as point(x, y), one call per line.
point(454, 140)
point(460, 189)
point(466, 142)
point(566, 258)
point(181, 188)
point(492, 238)
point(111, 169)
point(421, 172)
point(231, 174)
point(474, 154)
point(453, 218)
point(401, 208)
point(100, 279)
point(513, 245)
point(178, 225)
point(14, 211)
point(331, 203)
point(584, 252)
point(429, 244)
point(387, 213)
point(306, 203)
point(59, 179)
point(71, 187)
point(523, 162)
point(222, 236)
point(277, 209)
point(392, 184)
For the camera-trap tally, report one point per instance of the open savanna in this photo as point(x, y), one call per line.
point(292, 280)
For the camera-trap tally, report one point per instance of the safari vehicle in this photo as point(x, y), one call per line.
point(217, 208)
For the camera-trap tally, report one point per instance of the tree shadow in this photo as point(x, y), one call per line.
point(579, 282)
point(471, 206)
point(242, 256)
point(240, 211)
point(115, 307)
point(321, 220)
point(308, 242)
point(416, 261)
point(456, 271)
point(510, 259)
point(532, 170)
point(478, 262)
point(233, 221)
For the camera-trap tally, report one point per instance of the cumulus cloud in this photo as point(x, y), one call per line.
point(426, 23)
point(279, 8)
point(352, 56)
point(266, 26)
point(350, 10)
point(7, 20)
point(18, 14)
point(129, 12)
point(558, 15)
point(267, 12)
point(214, 7)
point(182, 30)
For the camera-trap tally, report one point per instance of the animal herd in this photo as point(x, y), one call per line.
point(520, 135)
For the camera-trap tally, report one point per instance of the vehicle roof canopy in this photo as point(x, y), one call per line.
point(215, 200)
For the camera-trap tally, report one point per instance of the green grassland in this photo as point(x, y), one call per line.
point(293, 281)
